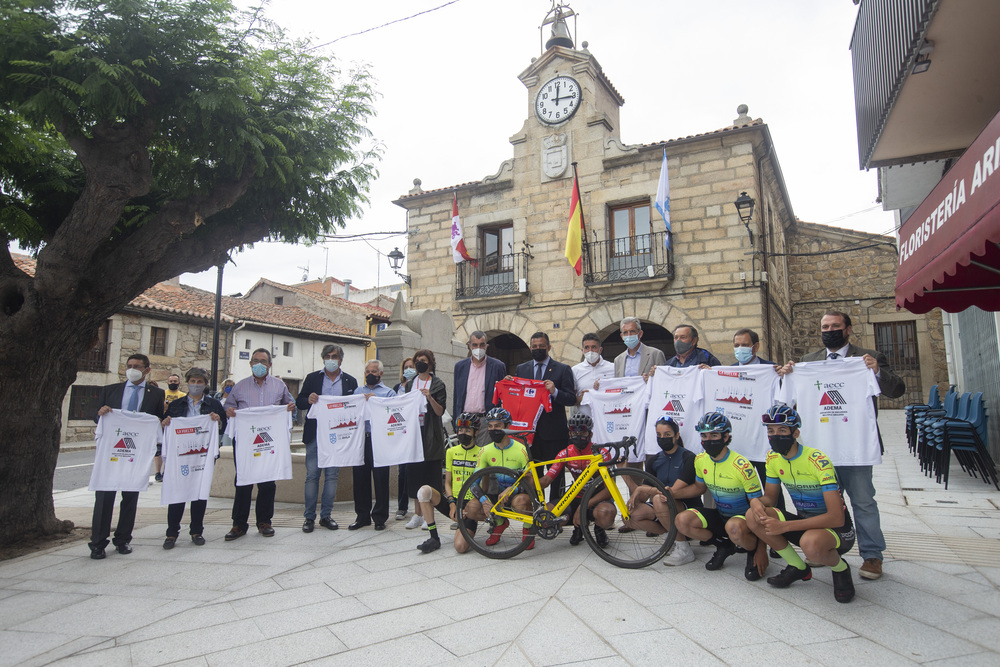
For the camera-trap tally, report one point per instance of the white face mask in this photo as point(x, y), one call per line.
point(134, 375)
point(478, 353)
point(331, 365)
point(591, 357)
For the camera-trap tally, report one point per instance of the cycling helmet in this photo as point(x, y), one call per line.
point(714, 422)
point(580, 422)
point(468, 420)
point(782, 414)
point(498, 415)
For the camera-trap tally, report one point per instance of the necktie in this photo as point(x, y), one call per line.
point(133, 402)
point(834, 355)
point(538, 371)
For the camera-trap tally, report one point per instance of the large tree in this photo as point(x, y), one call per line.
point(140, 139)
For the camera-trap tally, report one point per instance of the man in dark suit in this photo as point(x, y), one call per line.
point(331, 381)
point(138, 396)
point(835, 329)
point(746, 344)
point(551, 432)
point(475, 377)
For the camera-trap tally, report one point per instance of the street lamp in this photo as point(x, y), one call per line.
point(396, 258)
point(744, 208)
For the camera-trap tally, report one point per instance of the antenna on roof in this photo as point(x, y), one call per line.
point(305, 272)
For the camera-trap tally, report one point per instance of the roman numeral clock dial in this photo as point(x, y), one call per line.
point(557, 100)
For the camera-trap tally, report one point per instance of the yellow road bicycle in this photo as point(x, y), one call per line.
point(617, 541)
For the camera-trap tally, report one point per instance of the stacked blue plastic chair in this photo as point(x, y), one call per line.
point(932, 435)
point(917, 409)
point(969, 441)
point(926, 453)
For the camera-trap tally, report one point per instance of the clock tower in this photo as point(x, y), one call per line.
point(573, 108)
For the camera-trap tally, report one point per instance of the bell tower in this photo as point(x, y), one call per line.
point(572, 106)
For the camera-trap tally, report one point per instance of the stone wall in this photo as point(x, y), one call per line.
point(861, 283)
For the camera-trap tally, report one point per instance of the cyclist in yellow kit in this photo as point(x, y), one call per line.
point(822, 527)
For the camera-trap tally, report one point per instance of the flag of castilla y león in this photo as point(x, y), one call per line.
point(458, 251)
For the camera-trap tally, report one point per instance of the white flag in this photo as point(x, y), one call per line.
point(663, 198)
point(458, 250)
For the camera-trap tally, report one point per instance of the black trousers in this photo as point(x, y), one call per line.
point(243, 498)
point(760, 467)
point(175, 512)
point(363, 476)
point(104, 508)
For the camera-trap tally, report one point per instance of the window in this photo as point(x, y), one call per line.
point(246, 345)
point(83, 401)
point(158, 341)
point(630, 229)
point(498, 246)
point(96, 358)
point(279, 300)
point(286, 349)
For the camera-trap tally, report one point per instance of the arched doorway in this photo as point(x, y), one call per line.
point(508, 348)
point(653, 335)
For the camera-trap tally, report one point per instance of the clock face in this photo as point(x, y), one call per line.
point(557, 100)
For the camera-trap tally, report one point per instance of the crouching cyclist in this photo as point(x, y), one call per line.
point(601, 510)
point(459, 462)
point(500, 451)
point(733, 482)
point(823, 527)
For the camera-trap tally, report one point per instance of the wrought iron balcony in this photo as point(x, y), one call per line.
point(495, 275)
point(627, 258)
point(94, 359)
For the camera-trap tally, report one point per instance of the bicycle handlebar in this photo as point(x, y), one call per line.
point(621, 450)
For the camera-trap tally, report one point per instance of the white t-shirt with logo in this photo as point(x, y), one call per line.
point(190, 445)
point(834, 399)
point(675, 393)
point(395, 425)
point(743, 394)
point(262, 444)
point(340, 430)
point(618, 408)
point(126, 445)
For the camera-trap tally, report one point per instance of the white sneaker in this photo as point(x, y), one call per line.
point(416, 521)
point(679, 555)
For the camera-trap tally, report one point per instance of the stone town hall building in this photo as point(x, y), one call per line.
point(719, 275)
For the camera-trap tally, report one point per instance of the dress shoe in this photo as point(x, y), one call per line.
point(359, 524)
point(307, 526)
point(169, 542)
point(265, 529)
point(379, 525)
point(198, 540)
point(97, 553)
point(123, 549)
point(328, 523)
point(235, 533)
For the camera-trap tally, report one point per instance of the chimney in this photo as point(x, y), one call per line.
point(347, 290)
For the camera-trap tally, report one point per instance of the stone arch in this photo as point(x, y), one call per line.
point(514, 327)
point(605, 317)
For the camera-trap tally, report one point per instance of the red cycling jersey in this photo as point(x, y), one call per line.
point(576, 468)
point(524, 400)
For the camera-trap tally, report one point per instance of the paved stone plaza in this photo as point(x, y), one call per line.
point(366, 597)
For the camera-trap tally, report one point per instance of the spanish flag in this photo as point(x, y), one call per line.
point(574, 235)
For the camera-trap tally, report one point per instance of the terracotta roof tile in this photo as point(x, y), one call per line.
point(366, 308)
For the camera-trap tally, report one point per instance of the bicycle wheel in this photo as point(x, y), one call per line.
point(633, 548)
point(489, 538)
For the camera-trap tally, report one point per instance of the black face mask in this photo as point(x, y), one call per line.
point(371, 379)
point(496, 435)
point(421, 366)
point(666, 444)
point(834, 340)
point(539, 354)
point(580, 440)
point(173, 386)
point(713, 447)
point(465, 440)
point(782, 444)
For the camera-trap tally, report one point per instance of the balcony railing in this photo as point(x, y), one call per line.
point(496, 275)
point(887, 34)
point(627, 258)
point(94, 360)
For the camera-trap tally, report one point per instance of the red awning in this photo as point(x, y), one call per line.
point(948, 252)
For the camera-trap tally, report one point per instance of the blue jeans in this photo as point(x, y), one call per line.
point(312, 485)
point(857, 482)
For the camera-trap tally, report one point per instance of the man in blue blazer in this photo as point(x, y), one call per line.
point(137, 395)
point(475, 377)
point(551, 432)
point(330, 381)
